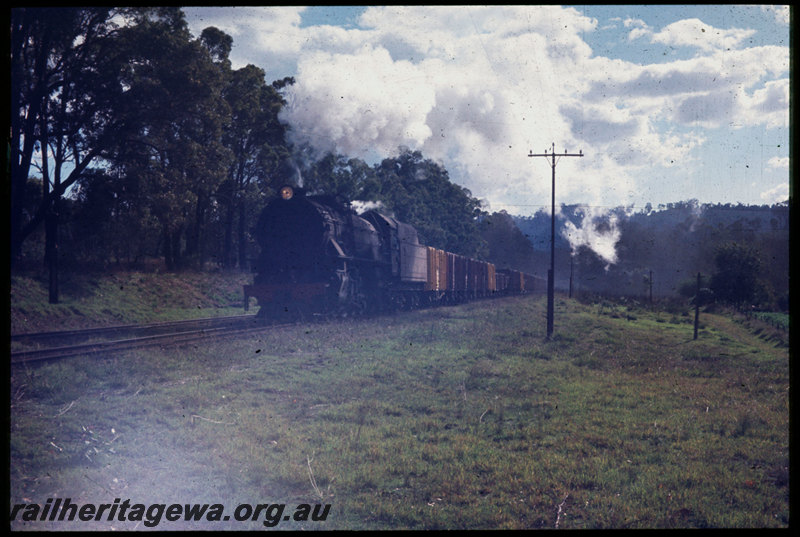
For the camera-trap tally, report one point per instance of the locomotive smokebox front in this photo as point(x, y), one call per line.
point(316, 256)
point(291, 233)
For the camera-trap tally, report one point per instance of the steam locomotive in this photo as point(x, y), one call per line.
point(320, 257)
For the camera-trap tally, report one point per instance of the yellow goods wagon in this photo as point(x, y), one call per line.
point(437, 270)
point(443, 270)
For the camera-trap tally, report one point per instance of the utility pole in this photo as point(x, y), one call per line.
point(551, 272)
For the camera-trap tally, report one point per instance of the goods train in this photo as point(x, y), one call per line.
point(320, 257)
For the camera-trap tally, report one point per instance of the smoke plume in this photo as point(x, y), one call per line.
point(360, 207)
point(598, 230)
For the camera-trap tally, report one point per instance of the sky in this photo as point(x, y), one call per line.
point(666, 103)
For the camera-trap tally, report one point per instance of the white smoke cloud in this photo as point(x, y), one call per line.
point(598, 230)
point(360, 207)
point(478, 87)
point(334, 106)
point(450, 83)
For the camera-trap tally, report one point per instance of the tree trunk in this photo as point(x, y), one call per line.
point(227, 244)
point(23, 129)
point(169, 261)
point(242, 239)
point(51, 252)
point(177, 257)
point(50, 219)
point(199, 231)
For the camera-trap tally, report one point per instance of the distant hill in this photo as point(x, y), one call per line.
point(675, 241)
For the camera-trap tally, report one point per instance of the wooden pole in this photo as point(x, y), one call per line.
point(551, 274)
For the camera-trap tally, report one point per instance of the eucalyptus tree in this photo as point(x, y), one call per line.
point(256, 139)
point(507, 246)
point(64, 92)
point(344, 178)
point(121, 88)
point(737, 279)
point(174, 148)
point(420, 192)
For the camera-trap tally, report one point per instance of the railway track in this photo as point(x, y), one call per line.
point(55, 345)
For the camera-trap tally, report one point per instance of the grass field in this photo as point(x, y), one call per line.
point(103, 299)
point(450, 418)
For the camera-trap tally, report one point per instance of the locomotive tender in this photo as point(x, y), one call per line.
point(318, 256)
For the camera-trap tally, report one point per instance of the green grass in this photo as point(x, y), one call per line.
point(449, 418)
point(772, 317)
point(89, 300)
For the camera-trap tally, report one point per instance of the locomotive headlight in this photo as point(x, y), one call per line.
point(287, 192)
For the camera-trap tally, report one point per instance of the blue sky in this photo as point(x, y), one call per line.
point(668, 103)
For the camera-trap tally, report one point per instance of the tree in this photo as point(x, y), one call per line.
point(62, 95)
point(346, 179)
point(218, 44)
point(121, 87)
point(256, 139)
point(175, 150)
point(420, 193)
point(737, 277)
point(507, 245)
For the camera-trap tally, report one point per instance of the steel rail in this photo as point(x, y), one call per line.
point(100, 331)
point(171, 339)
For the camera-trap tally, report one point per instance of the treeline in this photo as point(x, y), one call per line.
point(129, 137)
point(742, 251)
point(132, 140)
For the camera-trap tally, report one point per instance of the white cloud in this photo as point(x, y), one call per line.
point(695, 33)
point(782, 13)
point(778, 163)
point(768, 106)
point(640, 29)
point(777, 194)
point(730, 88)
point(273, 28)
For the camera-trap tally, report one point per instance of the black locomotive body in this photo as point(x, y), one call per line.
point(318, 256)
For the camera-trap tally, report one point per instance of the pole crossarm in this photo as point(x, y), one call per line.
point(545, 154)
point(551, 273)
